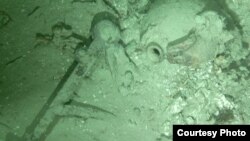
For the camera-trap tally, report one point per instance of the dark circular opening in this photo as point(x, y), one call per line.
point(156, 51)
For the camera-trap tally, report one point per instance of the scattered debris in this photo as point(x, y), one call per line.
point(13, 60)
point(43, 39)
point(33, 11)
point(89, 106)
point(62, 37)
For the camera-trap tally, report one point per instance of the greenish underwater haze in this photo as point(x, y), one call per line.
point(119, 70)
